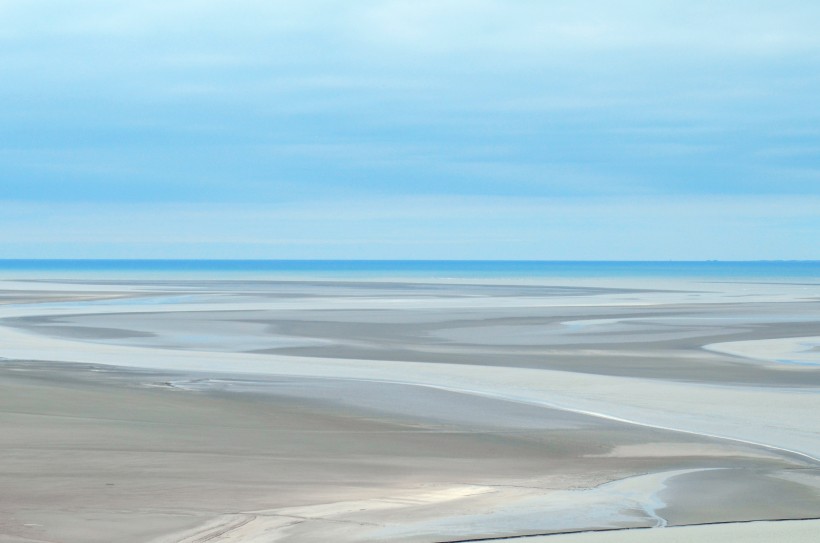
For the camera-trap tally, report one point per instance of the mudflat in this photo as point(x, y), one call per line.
point(191, 410)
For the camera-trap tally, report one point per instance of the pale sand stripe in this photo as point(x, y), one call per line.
point(797, 531)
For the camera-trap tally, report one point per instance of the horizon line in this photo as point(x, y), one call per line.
point(709, 260)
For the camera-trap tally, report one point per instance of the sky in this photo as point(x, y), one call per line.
point(410, 129)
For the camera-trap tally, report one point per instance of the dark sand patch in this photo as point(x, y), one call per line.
point(745, 494)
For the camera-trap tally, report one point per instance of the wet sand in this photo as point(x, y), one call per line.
point(752, 532)
point(182, 411)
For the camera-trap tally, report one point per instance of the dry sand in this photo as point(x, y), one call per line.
point(190, 411)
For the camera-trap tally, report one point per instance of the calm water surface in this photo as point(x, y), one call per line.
point(427, 269)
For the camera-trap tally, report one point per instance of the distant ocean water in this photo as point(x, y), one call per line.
point(431, 269)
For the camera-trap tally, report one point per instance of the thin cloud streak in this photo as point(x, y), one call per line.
point(549, 229)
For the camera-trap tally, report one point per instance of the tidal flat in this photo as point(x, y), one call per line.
point(187, 410)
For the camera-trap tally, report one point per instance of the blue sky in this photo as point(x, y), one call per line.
point(410, 129)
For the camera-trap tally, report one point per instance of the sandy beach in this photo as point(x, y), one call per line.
point(192, 410)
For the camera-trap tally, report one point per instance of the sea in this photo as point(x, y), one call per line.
point(808, 270)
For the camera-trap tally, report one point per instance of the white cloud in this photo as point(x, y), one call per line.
point(645, 228)
point(543, 29)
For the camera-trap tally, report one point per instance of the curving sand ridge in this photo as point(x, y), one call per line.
point(786, 352)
